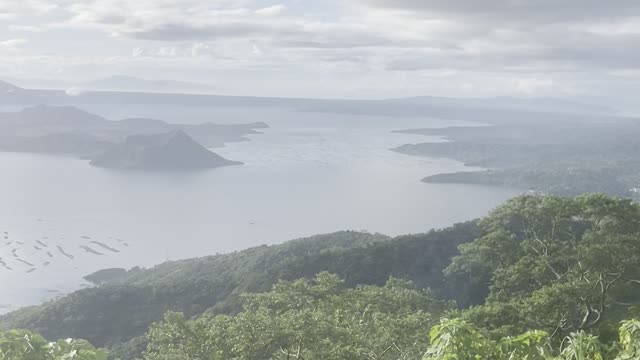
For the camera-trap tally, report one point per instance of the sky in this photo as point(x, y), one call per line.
point(334, 49)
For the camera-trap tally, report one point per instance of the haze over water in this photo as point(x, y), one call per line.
point(309, 173)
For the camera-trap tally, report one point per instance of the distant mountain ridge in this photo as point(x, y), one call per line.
point(116, 83)
point(6, 87)
point(59, 116)
point(541, 104)
point(11, 94)
point(108, 91)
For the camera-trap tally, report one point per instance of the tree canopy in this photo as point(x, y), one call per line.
point(25, 345)
point(307, 319)
point(557, 264)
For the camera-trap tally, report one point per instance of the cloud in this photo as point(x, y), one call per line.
point(192, 20)
point(13, 9)
point(273, 10)
point(498, 35)
point(533, 85)
point(627, 26)
point(182, 32)
point(516, 11)
point(137, 52)
point(24, 28)
point(12, 44)
point(494, 32)
point(74, 91)
point(527, 46)
point(255, 49)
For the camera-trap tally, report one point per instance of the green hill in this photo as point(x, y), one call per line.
point(567, 268)
point(119, 311)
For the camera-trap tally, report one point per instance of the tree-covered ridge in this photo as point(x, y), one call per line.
point(559, 277)
point(192, 286)
point(215, 283)
point(560, 156)
point(541, 276)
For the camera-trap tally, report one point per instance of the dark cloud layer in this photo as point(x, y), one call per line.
point(524, 11)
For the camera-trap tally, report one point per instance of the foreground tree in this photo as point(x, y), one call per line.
point(458, 340)
point(629, 341)
point(558, 264)
point(312, 320)
point(24, 345)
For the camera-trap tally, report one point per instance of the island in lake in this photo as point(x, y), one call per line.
point(172, 151)
point(136, 143)
point(104, 276)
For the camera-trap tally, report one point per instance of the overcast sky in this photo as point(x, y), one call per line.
point(331, 48)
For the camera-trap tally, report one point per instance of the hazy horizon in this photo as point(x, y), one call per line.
point(363, 49)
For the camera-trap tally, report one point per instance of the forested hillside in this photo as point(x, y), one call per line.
point(321, 319)
point(215, 283)
point(541, 277)
point(557, 157)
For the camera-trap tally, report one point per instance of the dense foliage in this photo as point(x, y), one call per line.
point(555, 264)
point(458, 340)
point(318, 319)
point(24, 345)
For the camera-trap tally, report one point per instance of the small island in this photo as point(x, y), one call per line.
point(106, 275)
point(134, 143)
point(171, 151)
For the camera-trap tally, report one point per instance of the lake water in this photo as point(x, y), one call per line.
point(309, 173)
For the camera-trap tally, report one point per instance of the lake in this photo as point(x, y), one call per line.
point(309, 173)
